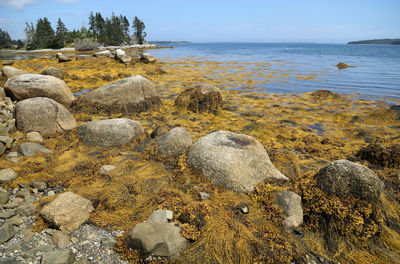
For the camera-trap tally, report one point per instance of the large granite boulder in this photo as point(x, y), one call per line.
point(67, 212)
point(157, 239)
point(290, 203)
point(111, 132)
point(9, 72)
point(200, 98)
point(234, 161)
point(36, 85)
point(53, 71)
point(343, 177)
point(174, 142)
point(129, 95)
point(43, 115)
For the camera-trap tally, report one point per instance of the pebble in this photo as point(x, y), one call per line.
point(204, 196)
point(7, 175)
point(34, 136)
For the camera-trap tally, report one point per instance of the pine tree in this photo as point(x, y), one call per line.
point(60, 37)
point(5, 40)
point(139, 27)
point(100, 27)
point(92, 25)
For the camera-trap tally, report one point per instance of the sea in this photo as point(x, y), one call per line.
point(375, 75)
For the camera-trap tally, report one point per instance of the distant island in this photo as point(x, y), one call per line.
point(377, 42)
point(168, 42)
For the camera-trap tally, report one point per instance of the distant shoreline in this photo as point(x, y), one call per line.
point(376, 42)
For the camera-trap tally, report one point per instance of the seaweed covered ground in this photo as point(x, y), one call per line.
point(301, 133)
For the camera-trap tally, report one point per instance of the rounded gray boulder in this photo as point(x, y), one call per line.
point(36, 85)
point(343, 177)
point(175, 142)
point(9, 72)
point(53, 71)
point(158, 239)
point(43, 115)
point(111, 132)
point(234, 161)
point(129, 95)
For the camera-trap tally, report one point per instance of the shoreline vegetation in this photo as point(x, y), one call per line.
point(303, 215)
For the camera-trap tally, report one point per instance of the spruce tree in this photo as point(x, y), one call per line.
point(61, 33)
point(139, 27)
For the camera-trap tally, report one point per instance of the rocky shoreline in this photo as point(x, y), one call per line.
point(142, 169)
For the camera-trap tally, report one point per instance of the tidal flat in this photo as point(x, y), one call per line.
point(302, 133)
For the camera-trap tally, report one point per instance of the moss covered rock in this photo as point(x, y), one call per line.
point(200, 98)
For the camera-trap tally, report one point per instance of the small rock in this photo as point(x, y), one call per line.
point(62, 58)
point(158, 239)
point(243, 207)
point(39, 185)
point(147, 58)
point(7, 175)
point(74, 240)
point(106, 168)
point(30, 149)
point(12, 204)
point(7, 231)
point(161, 216)
point(51, 193)
point(16, 220)
point(53, 71)
point(38, 250)
point(175, 142)
point(290, 203)
point(26, 235)
point(200, 98)
point(34, 136)
point(108, 242)
point(204, 196)
point(12, 154)
point(7, 214)
point(68, 211)
point(60, 239)
point(3, 196)
point(83, 57)
point(26, 209)
point(7, 141)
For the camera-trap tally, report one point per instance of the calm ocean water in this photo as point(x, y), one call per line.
point(376, 75)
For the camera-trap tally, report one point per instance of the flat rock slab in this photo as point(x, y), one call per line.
point(158, 239)
point(68, 211)
point(59, 257)
point(129, 95)
point(7, 175)
point(235, 161)
point(43, 115)
point(111, 132)
point(343, 177)
point(30, 149)
point(7, 231)
point(36, 85)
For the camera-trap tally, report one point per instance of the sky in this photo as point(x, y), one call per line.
point(320, 21)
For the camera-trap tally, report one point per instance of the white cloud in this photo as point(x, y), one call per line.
point(16, 4)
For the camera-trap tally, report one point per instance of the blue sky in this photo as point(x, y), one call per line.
point(325, 21)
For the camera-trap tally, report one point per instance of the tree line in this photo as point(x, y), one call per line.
point(114, 30)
